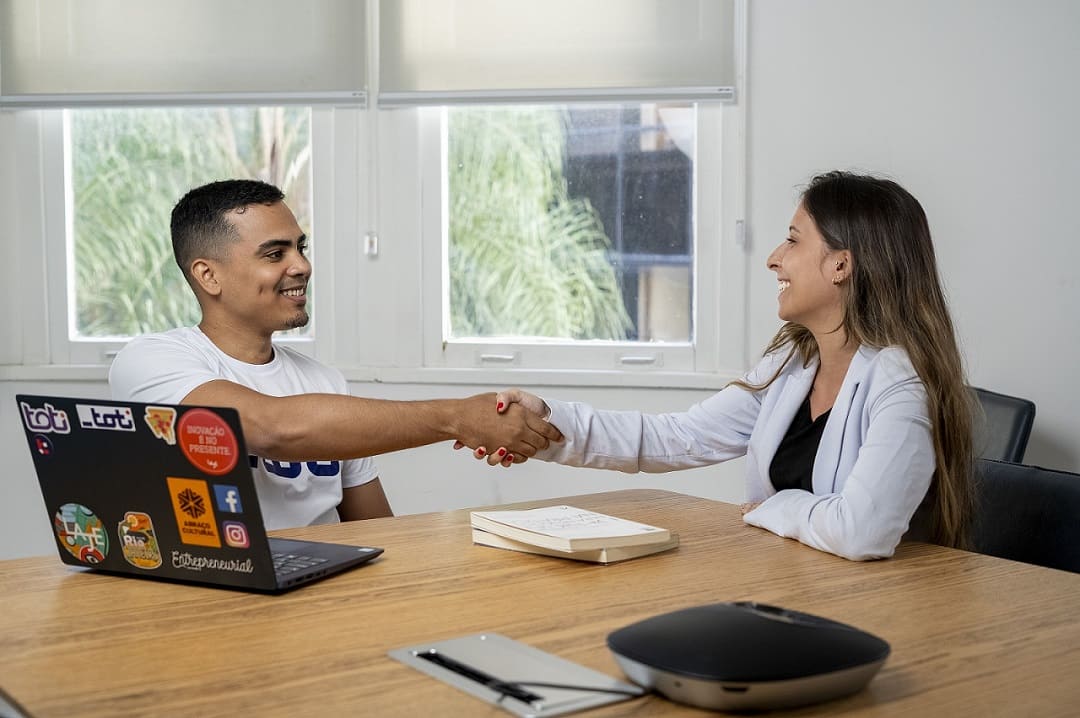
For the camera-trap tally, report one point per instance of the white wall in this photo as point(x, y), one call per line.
point(970, 104)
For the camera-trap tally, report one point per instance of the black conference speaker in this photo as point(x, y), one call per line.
point(747, 656)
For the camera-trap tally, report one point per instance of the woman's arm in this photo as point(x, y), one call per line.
point(891, 475)
point(714, 430)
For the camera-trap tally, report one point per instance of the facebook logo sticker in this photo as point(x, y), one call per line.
point(228, 499)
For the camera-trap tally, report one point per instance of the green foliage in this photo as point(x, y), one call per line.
point(128, 169)
point(525, 258)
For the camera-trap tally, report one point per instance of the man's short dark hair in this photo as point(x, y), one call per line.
point(199, 226)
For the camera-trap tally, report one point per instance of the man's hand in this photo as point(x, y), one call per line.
point(518, 432)
point(505, 401)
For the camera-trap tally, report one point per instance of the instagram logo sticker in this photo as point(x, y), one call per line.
point(236, 534)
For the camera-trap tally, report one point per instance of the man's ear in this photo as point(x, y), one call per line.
point(204, 275)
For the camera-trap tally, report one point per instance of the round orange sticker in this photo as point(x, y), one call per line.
point(207, 441)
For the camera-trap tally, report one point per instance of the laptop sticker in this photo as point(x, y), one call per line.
point(208, 442)
point(42, 445)
point(161, 421)
point(81, 533)
point(228, 499)
point(110, 418)
point(194, 562)
point(46, 419)
point(137, 540)
point(194, 512)
point(236, 534)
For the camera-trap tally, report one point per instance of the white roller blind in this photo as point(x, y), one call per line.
point(439, 51)
point(70, 52)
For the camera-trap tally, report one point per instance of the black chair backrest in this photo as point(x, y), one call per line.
point(1027, 513)
point(1003, 434)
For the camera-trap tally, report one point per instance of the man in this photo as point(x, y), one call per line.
point(242, 251)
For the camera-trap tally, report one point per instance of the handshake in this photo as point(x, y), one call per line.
point(514, 428)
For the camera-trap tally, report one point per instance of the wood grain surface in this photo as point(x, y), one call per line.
point(971, 635)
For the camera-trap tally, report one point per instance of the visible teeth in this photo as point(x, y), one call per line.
point(783, 284)
point(294, 292)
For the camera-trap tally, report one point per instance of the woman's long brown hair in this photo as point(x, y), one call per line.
point(894, 298)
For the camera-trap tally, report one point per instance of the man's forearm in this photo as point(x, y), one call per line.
point(333, 426)
point(329, 426)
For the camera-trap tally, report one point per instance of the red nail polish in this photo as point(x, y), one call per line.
point(502, 452)
point(499, 406)
point(480, 452)
point(510, 458)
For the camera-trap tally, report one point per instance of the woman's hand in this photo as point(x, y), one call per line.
point(532, 402)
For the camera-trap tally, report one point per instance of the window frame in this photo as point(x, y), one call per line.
point(373, 312)
point(64, 348)
point(718, 268)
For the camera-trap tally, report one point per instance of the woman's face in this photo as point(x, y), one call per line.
point(810, 276)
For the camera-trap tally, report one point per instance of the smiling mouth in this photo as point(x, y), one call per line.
point(782, 285)
point(296, 293)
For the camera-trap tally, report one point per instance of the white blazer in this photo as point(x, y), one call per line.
point(873, 465)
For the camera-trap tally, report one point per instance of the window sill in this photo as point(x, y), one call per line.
point(384, 375)
point(540, 377)
point(54, 372)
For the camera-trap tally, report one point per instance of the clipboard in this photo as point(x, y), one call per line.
point(515, 676)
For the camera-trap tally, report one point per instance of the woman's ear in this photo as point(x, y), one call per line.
point(202, 271)
point(841, 266)
point(842, 262)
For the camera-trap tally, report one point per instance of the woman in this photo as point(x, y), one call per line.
point(858, 413)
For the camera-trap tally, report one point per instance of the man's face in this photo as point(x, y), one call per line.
point(264, 275)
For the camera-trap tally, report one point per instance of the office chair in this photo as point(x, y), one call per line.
point(1003, 433)
point(1027, 513)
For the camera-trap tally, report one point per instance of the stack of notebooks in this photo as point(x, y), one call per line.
point(569, 532)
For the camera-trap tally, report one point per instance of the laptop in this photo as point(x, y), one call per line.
point(163, 491)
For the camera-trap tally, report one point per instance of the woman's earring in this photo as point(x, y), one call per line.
point(837, 279)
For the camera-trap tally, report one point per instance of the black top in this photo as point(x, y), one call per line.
point(793, 465)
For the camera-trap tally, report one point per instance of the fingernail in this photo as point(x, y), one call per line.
point(480, 451)
point(510, 457)
point(502, 452)
point(499, 406)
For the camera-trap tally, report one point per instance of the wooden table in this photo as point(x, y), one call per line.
point(971, 635)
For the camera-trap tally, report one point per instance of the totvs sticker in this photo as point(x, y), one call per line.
point(207, 441)
point(81, 533)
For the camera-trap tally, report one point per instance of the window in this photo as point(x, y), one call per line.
point(126, 168)
point(566, 222)
point(568, 235)
point(642, 184)
point(529, 198)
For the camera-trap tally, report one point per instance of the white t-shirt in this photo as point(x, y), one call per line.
point(166, 367)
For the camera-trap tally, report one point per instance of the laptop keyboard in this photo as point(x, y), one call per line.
point(286, 563)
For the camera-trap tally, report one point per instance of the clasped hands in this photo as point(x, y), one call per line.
point(526, 411)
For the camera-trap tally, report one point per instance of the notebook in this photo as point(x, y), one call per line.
point(163, 491)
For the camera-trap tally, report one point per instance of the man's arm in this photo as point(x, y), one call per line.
point(334, 426)
point(366, 501)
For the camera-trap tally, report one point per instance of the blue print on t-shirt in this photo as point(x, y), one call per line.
point(292, 469)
